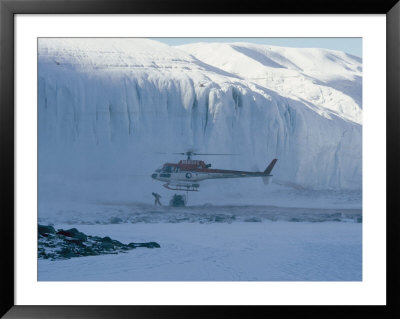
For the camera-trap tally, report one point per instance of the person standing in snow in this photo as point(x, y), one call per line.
point(156, 199)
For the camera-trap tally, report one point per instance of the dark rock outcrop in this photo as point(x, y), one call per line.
point(46, 230)
point(73, 233)
point(65, 244)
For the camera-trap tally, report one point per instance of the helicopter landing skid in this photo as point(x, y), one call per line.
point(186, 188)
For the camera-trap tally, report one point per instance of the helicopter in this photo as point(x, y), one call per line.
point(186, 174)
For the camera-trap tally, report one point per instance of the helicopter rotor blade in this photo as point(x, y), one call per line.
point(191, 153)
point(214, 154)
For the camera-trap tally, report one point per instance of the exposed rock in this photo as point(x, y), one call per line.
point(45, 230)
point(148, 245)
point(65, 244)
point(73, 233)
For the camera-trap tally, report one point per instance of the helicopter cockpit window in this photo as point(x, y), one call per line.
point(167, 169)
point(158, 170)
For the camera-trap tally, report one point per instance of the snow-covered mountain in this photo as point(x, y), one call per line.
point(321, 78)
point(108, 105)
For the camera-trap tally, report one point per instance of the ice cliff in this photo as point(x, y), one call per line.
point(111, 105)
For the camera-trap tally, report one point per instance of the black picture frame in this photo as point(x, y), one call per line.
point(8, 8)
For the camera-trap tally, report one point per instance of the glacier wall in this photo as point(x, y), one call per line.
point(118, 118)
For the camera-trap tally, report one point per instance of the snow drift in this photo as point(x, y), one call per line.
point(106, 106)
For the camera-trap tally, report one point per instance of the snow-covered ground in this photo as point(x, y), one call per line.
point(283, 204)
point(238, 251)
point(216, 242)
